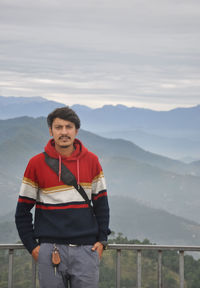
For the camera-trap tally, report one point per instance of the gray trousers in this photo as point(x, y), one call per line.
point(79, 267)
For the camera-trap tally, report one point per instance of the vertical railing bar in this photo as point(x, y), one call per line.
point(139, 269)
point(118, 268)
point(33, 273)
point(181, 268)
point(10, 268)
point(159, 268)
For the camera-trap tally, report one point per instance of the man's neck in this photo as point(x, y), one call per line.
point(65, 151)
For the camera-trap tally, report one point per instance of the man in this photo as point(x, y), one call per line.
point(64, 222)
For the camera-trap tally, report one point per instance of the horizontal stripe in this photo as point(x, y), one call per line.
point(21, 200)
point(28, 191)
point(77, 206)
point(62, 188)
point(98, 185)
point(56, 189)
point(86, 185)
point(96, 178)
point(100, 195)
point(53, 197)
point(30, 182)
point(66, 196)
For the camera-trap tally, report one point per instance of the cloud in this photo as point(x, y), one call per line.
point(97, 52)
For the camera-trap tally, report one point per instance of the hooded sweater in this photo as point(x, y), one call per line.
point(61, 214)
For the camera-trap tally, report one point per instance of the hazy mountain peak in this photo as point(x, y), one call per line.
point(81, 107)
point(12, 107)
point(13, 100)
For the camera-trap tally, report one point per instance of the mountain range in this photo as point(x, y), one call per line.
point(108, 117)
point(174, 133)
point(148, 192)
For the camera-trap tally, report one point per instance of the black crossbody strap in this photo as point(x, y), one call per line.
point(66, 176)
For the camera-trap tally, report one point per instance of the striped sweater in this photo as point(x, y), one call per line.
point(61, 215)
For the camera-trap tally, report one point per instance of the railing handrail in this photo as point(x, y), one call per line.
point(11, 246)
point(153, 247)
point(127, 247)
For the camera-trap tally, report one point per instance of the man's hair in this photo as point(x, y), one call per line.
point(64, 113)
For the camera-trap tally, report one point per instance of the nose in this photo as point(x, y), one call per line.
point(64, 130)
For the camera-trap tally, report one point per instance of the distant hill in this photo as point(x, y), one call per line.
point(184, 145)
point(12, 107)
point(127, 149)
point(120, 117)
point(139, 221)
point(174, 133)
point(160, 182)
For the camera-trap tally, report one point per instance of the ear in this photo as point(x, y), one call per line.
point(50, 131)
point(77, 131)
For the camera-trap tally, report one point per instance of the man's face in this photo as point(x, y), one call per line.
point(63, 132)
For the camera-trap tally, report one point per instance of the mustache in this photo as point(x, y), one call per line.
point(64, 136)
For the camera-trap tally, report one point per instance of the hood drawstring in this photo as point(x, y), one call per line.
point(59, 173)
point(78, 179)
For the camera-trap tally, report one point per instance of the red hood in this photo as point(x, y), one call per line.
point(79, 152)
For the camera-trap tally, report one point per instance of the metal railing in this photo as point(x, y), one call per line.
point(118, 248)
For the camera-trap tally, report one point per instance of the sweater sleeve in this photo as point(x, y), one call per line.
point(100, 203)
point(26, 201)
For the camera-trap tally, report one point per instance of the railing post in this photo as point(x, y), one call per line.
point(33, 273)
point(181, 268)
point(139, 269)
point(159, 268)
point(118, 268)
point(10, 268)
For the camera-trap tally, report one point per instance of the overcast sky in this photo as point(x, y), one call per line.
point(132, 52)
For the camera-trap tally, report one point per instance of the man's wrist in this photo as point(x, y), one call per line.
point(105, 244)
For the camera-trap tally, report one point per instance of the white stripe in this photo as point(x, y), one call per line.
point(60, 197)
point(27, 190)
point(98, 185)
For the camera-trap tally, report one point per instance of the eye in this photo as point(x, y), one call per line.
point(58, 127)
